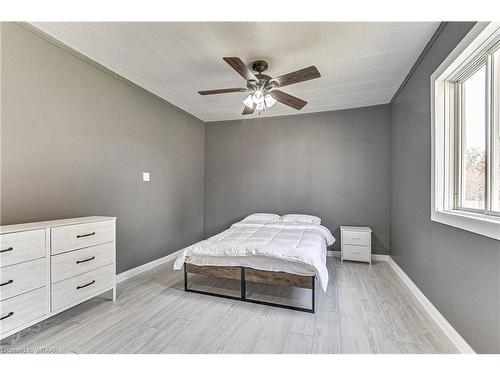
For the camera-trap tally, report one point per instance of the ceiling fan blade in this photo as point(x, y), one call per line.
point(221, 91)
point(248, 110)
point(301, 75)
point(240, 67)
point(288, 99)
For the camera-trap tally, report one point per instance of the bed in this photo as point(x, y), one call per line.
point(287, 250)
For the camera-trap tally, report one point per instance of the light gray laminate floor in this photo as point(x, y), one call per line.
point(365, 310)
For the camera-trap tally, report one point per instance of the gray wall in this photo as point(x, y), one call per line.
point(457, 270)
point(331, 164)
point(75, 142)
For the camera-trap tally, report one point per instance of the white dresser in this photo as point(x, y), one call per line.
point(48, 267)
point(356, 244)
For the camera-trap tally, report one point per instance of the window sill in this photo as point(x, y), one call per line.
point(485, 225)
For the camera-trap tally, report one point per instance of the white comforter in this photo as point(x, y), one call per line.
point(302, 243)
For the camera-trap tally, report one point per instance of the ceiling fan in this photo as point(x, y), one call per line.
point(263, 89)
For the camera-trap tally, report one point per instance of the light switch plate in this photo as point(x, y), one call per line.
point(145, 176)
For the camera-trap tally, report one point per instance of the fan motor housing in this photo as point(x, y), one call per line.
point(259, 66)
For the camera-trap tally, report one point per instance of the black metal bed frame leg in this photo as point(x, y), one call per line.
point(185, 278)
point(313, 291)
point(243, 284)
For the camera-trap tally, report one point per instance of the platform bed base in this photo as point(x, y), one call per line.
point(244, 274)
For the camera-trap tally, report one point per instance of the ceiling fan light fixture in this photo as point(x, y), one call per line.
point(261, 106)
point(270, 101)
point(259, 86)
point(248, 101)
point(258, 97)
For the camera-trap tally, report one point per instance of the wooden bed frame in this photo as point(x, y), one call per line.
point(245, 274)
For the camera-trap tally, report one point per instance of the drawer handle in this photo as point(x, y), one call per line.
point(86, 285)
point(7, 316)
point(356, 238)
point(7, 282)
point(85, 260)
point(356, 252)
point(7, 249)
point(85, 235)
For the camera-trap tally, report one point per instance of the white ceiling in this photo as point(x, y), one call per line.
point(361, 63)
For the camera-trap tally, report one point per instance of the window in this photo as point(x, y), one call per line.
point(474, 100)
point(495, 161)
point(466, 134)
point(471, 145)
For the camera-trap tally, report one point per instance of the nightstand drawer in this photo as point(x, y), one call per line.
point(356, 238)
point(358, 253)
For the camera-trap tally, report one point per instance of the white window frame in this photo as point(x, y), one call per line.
point(443, 150)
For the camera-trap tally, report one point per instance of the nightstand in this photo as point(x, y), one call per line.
point(356, 244)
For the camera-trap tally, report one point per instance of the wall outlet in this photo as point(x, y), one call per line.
point(145, 176)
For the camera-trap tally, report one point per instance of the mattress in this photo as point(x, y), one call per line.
point(255, 262)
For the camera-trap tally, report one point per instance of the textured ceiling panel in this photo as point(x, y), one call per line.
point(361, 63)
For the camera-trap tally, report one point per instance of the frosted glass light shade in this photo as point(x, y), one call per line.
point(257, 97)
point(270, 101)
point(248, 101)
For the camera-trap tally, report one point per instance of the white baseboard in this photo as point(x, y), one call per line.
point(145, 267)
point(381, 257)
point(333, 253)
point(441, 321)
point(376, 257)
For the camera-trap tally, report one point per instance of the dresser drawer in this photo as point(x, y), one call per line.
point(79, 288)
point(21, 278)
point(78, 236)
point(356, 238)
point(358, 253)
point(80, 261)
point(22, 309)
point(21, 246)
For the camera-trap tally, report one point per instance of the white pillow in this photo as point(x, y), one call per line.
point(302, 219)
point(262, 217)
